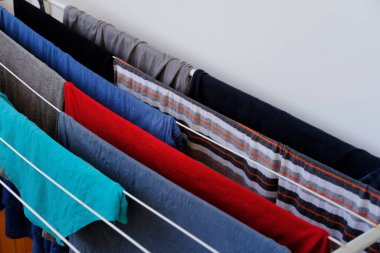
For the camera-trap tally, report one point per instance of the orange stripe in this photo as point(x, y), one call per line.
point(233, 158)
point(317, 214)
point(324, 217)
point(300, 205)
point(126, 63)
point(323, 194)
point(187, 112)
point(312, 165)
point(223, 170)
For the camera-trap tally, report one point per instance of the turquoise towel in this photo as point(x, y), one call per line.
point(78, 177)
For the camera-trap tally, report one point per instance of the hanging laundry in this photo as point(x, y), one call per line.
point(39, 77)
point(83, 181)
point(17, 226)
point(119, 101)
point(281, 126)
point(81, 49)
point(201, 219)
point(235, 200)
point(209, 123)
point(269, 153)
point(163, 67)
point(48, 84)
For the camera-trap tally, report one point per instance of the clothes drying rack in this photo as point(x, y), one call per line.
point(119, 231)
point(356, 245)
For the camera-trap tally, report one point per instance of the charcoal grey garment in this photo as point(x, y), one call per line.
point(38, 76)
point(214, 227)
point(165, 68)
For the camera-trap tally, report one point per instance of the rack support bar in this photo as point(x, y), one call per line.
point(361, 242)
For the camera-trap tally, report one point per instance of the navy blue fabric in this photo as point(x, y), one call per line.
point(216, 228)
point(1, 195)
point(18, 226)
point(281, 126)
point(40, 245)
point(372, 179)
point(42, 5)
point(81, 49)
point(119, 101)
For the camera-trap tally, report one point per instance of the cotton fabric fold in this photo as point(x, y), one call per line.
point(237, 201)
point(265, 119)
point(169, 70)
point(201, 219)
point(78, 177)
point(333, 185)
point(17, 226)
point(36, 75)
point(119, 101)
point(81, 49)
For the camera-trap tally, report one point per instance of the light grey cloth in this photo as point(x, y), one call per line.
point(39, 77)
point(158, 65)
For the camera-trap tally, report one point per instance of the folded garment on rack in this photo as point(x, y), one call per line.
point(39, 77)
point(201, 219)
point(207, 122)
point(293, 132)
point(160, 125)
point(82, 180)
point(161, 66)
point(18, 226)
point(315, 176)
point(239, 202)
point(48, 84)
point(81, 49)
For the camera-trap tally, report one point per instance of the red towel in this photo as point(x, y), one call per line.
point(239, 202)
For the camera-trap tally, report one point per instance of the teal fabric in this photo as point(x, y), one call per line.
point(78, 177)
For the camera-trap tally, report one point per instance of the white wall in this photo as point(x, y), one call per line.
point(319, 60)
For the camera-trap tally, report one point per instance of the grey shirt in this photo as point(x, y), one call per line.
point(163, 67)
point(38, 76)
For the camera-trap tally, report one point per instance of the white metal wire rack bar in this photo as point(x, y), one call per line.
point(280, 175)
point(361, 242)
point(30, 88)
